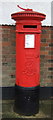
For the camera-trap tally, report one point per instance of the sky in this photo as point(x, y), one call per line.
point(25, 1)
point(8, 7)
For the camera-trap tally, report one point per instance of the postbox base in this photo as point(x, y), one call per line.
point(26, 100)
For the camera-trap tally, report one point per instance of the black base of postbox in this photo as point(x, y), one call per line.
point(26, 100)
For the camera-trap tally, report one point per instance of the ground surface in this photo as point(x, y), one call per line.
point(45, 110)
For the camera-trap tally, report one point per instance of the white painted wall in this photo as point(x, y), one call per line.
point(8, 7)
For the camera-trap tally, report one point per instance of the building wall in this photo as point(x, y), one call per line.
point(9, 55)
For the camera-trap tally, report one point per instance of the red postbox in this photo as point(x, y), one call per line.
point(28, 29)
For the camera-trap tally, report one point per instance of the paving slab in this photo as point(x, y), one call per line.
point(44, 110)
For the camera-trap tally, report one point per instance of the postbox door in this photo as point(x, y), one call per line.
point(27, 59)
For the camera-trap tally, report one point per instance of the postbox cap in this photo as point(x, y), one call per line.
point(28, 14)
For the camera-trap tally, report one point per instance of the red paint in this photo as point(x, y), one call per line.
point(28, 59)
point(24, 9)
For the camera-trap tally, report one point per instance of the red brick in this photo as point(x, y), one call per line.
point(44, 44)
point(6, 35)
point(0, 43)
point(49, 57)
point(44, 53)
point(48, 40)
point(6, 43)
point(6, 26)
point(48, 65)
point(45, 36)
point(14, 31)
point(0, 26)
point(49, 32)
point(0, 31)
point(49, 48)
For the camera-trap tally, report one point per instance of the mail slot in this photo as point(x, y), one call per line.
point(27, 84)
point(30, 26)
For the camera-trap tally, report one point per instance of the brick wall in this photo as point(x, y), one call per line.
point(9, 54)
point(46, 56)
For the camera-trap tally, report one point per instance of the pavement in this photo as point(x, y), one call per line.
point(45, 110)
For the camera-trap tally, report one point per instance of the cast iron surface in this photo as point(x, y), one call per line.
point(26, 100)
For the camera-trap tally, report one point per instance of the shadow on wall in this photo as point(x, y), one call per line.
point(8, 93)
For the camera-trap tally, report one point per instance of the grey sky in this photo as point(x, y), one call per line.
point(7, 8)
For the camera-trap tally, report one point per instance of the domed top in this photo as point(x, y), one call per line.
point(28, 14)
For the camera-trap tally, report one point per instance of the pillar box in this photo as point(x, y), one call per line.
point(28, 29)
